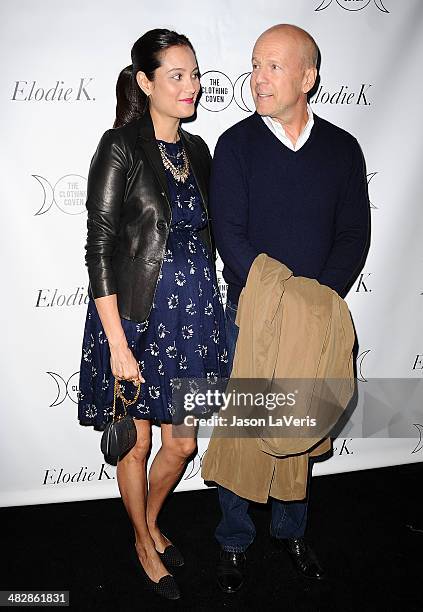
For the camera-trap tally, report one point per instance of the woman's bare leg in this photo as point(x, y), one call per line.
point(164, 473)
point(132, 480)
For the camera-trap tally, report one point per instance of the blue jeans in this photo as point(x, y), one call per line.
point(236, 530)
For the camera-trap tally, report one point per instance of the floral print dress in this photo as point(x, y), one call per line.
point(184, 335)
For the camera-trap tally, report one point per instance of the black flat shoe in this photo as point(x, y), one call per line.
point(166, 587)
point(302, 556)
point(231, 571)
point(171, 556)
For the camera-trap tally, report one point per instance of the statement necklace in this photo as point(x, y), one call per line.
point(179, 173)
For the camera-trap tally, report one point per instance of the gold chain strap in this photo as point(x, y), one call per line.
point(117, 392)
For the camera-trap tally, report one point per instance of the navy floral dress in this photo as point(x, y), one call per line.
point(184, 335)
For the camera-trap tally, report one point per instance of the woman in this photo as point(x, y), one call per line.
point(155, 312)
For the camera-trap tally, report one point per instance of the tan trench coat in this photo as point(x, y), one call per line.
point(289, 327)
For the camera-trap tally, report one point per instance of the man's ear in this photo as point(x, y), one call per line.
point(309, 79)
point(143, 82)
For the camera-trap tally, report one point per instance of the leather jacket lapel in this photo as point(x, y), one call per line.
point(149, 145)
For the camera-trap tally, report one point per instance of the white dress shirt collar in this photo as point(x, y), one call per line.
point(280, 133)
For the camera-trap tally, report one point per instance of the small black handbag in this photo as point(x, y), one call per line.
point(120, 435)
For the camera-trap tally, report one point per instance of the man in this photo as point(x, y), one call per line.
point(290, 184)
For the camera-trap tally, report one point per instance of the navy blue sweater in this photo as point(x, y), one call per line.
point(308, 209)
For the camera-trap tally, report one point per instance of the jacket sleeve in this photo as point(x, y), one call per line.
point(105, 194)
point(229, 210)
point(352, 226)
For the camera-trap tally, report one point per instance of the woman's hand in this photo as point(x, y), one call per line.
point(123, 363)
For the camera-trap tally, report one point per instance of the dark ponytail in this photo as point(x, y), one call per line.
point(131, 101)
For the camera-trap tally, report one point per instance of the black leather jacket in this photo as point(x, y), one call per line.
point(129, 213)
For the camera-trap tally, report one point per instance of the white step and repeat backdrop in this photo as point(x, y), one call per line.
point(59, 68)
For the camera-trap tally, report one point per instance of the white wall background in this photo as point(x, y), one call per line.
point(376, 45)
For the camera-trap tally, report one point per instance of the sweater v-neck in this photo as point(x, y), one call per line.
point(275, 140)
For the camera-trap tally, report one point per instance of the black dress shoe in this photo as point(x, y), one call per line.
point(171, 556)
point(231, 571)
point(166, 587)
point(303, 557)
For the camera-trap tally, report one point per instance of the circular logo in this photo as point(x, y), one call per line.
point(217, 91)
point(242, 93)
point(353, 5)
point(72, 387)
point(70, 194)
point(65, 389)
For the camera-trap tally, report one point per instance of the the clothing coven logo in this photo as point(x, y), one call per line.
point(419, 445)
point(218, 91)
point(194, 466)
point(360, 367)
point(69, 194)
point(65, 388)
point(352, 5)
